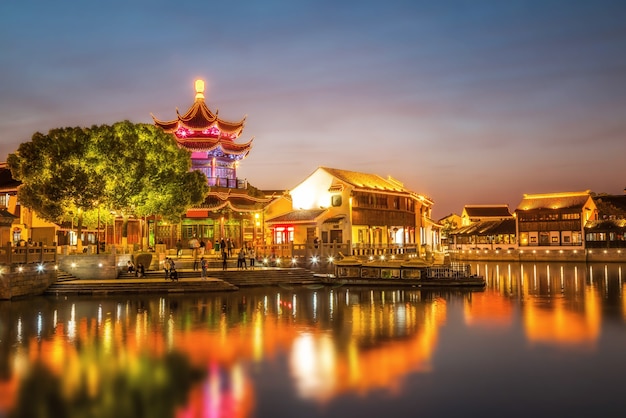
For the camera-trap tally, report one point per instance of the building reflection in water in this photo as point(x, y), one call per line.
point(337, 341)
point(561, 304)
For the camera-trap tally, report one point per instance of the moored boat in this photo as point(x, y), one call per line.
point(415, 272)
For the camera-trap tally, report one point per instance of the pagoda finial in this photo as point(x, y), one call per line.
point(199, 89)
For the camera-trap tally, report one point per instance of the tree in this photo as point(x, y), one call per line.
point(56, 175)
point(132, 169)
point(145, 172)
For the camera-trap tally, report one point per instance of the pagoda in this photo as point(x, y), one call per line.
point(232, 208)
point(211, 141)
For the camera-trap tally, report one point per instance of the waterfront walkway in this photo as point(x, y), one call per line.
point(189, 281)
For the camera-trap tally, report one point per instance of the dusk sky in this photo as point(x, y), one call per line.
point(468, 102)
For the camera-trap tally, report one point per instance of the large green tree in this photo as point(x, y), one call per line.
point(56, 174)
point(131, 169)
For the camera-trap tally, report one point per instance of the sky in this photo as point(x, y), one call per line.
point(467, 102)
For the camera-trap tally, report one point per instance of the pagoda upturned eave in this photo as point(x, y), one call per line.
point(200, 119)
point(210, 144)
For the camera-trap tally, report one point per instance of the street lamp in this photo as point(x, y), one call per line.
point(98, 233)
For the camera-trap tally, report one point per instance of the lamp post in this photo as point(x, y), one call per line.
point(98, 233)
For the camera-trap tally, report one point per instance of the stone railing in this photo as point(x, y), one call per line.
point(28, 254)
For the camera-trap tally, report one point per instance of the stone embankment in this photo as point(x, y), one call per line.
point(189, 281)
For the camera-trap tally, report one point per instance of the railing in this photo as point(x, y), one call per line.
point(227, 183)
point(28, 254)
point(333, 249)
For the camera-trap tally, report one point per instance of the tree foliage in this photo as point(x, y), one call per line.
point(131, 169)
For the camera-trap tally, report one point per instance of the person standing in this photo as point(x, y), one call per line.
point(195, 259)
point(203, 267)
point(241, 259)
point(224, 260)
point(229, 244)
point(179, 248)
point(252, 257)
point(166, 267)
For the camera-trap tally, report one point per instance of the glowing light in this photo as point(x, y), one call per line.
point(40, 267)
point(382, 257)
point(294, 261)
point(331, 259)
point(20, 269)
point(314, 259)
point(199, 89)
point(73, 265)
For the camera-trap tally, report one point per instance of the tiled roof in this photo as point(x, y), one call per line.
point(575, 200)
point(484, 211)
point(364, 180)
point(198, 118)
point(7, 182)
point(505, 226)
point(606, 225)
point(303, 215)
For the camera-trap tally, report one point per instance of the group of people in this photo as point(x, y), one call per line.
point(243, 255)
point(170, 269)
point(245, 258)
point(139, 271)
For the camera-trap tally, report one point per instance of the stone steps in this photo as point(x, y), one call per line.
point(189, 281)
point(80, 287)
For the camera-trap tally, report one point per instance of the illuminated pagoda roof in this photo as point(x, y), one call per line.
point(199, 129)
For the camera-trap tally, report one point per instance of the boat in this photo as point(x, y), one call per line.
point(413, 272)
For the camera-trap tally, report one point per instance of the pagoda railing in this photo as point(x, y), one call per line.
point(227, 183)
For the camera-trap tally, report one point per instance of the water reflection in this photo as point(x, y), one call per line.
point(561, 304)
point(196, 355)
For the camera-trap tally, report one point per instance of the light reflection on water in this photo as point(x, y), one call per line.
point(326, 352)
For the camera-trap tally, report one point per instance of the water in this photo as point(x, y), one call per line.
point(541, 340)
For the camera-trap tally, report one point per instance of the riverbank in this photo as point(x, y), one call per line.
point(593, 255)
point(189, 281)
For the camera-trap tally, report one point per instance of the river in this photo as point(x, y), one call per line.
point(541, 340)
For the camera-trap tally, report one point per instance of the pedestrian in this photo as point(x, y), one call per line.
point(241, 259)
point(130, 267)
point(203, 266)
point(224, 260)
point(179, 248)
point(252, 256)
point(166, 267)
point(195, 260)
point(223, 245)
point(229, 245)
point(141, 271)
